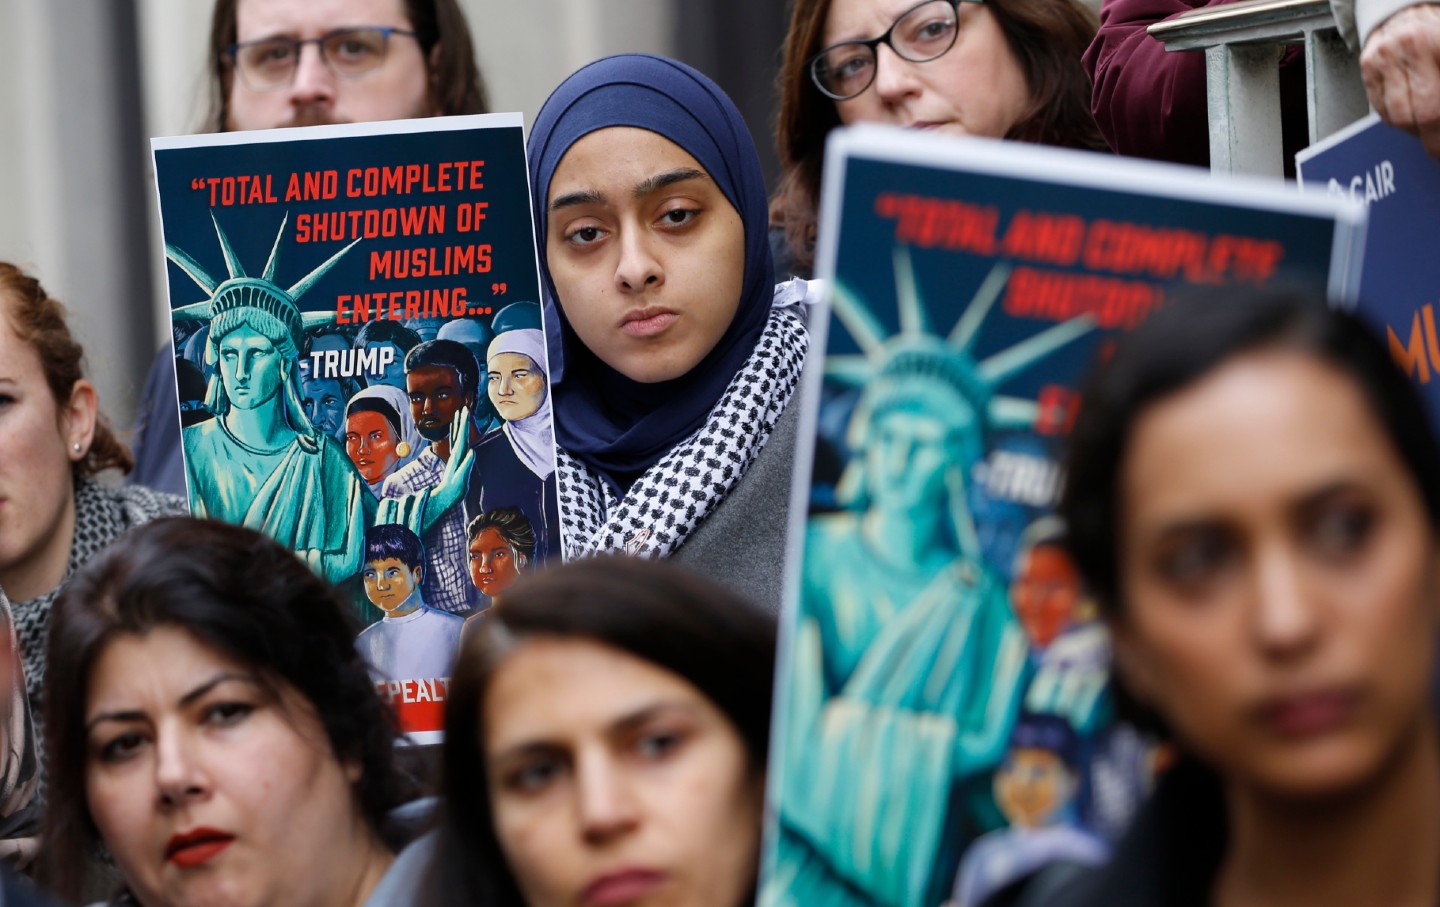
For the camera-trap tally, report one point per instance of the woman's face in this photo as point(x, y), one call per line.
point(207, 789)
point(370, 443)
point(515, 385)
point(975, 88)
point(647, 254)
point(37, 450)
point(616, 782)
point(1278, 577)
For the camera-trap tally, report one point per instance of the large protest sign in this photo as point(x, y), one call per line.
point(361, 367)
point(944, 720)
point(1390, 172)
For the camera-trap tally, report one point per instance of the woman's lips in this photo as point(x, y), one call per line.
point(197, 847)
point(1308, 714)
point(623, 887)
point(647, 322)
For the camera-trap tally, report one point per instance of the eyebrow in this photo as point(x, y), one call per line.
point(643, 188)
point(185, 700)
point(621, 725)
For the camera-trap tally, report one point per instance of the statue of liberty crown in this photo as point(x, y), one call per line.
point(241, 291)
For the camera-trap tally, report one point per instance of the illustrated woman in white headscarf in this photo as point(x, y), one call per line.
point(516, 384)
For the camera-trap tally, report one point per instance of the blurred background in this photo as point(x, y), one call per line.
point(84, 84)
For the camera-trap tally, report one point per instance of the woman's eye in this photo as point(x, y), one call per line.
point(122, 747)
point(657, 745)
point(6, 400)
point(1341, 530)
point(934, 31)
point(228, 713)
point(678, 217)
point(1196, 559)
point(534, 776)
point(584, 236)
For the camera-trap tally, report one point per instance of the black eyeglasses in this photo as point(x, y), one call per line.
point(920, 34)
point(270, 63)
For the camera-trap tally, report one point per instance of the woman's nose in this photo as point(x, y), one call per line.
point(179, 774)
point(638, 268)
point(607, 807)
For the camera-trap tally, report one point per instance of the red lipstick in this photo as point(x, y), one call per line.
point(196, 847)
point(1308, 714)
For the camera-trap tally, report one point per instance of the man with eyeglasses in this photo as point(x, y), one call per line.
point(308, 62)
point(279, 63)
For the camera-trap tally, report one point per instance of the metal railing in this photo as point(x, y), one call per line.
point(1243, 42)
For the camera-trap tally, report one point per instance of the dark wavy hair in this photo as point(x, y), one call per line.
point(456, 86)
point(719, 643)
point(245, 596)
point(1047, 38)
point(1195, 334)
point(38, 320)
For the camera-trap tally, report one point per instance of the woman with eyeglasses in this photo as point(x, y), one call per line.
point(997, 68)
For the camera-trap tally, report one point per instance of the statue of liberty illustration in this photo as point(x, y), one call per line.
point(261, 462)
point(907, 667)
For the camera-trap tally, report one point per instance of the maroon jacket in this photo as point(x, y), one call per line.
point(1151, 103)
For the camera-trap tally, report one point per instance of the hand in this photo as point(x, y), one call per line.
point(456, 477)
point(1401, 67)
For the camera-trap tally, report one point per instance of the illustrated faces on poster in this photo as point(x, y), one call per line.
point(399, 88)
point(389, 582)
point(370, 443)
point(613, 780)
point(646, 253)
point(494, 563)
point(1045, 593)
point(436, 396)
point(394, 374)
point(1278, 578)
point(515, 385)
point(324, 402)
point(251, 368)
point(1032, 786)
point(183, 737)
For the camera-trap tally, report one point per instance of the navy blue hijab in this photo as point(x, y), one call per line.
point(617, 426)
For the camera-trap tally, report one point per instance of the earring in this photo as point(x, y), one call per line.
point(403, 448)
point(77, 446)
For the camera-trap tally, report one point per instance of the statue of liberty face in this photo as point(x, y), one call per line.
point(251, 369)
point(913, 441)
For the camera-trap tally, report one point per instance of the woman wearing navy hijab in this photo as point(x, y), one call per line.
point(674, 358)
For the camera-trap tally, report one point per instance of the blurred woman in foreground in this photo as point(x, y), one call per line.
point(213, 727)
point(605, 743)
point(1254, 496)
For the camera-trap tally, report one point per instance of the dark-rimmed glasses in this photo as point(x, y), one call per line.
point(270, 63)
point(920, 34)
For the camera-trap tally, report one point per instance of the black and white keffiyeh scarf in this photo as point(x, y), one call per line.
point(665, 505)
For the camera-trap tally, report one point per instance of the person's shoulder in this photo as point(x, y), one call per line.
point(403, 881)
point(141, 504)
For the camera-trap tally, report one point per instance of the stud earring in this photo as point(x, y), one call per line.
point(77, 446)
point(403, 449)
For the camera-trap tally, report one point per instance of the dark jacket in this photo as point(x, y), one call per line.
point(1171, 854)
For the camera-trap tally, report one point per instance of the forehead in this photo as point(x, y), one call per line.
point(1262, 431)
point(367, 420)
point(557, 689)
point(433, 377)
point(312, 18)
point(389, 563)
point(853, 20)
point(489, 537)
point(615, 160)
point(510, 361)
point(245, 336)
point(157, 668)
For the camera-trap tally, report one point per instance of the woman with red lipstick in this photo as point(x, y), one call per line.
point(997, 68)
point(606, 738)
point(673, 356)
point(212, 727)
point(1254, 497)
